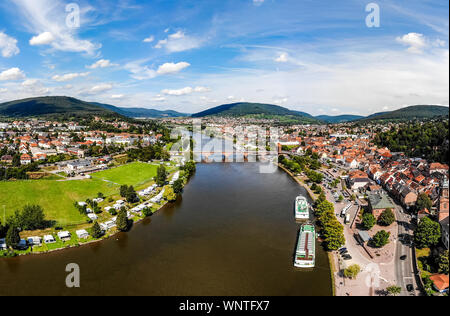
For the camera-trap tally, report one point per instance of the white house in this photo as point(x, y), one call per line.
point(65, 235)
point(34, 241)
point(3, 244)
point(92, 216)
point(49, 239)
point(82, 234)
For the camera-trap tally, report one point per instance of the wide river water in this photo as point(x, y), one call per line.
point(232, 233)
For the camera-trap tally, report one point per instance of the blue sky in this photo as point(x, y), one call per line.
point(190, 55)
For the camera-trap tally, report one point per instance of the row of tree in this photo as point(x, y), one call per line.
point(31, 217)
point(18, 173)
point(331, 230)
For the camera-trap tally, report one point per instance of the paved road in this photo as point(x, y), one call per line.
point(404, 269)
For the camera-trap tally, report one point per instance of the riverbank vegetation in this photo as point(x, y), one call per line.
point(331, 230)
point(31, 220)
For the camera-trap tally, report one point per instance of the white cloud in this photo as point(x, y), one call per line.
point(3, 90)
point(30, 82)
point(42, 39)
point(179, 42)
point(100, 88)
point(144, 72)
point(282, 58)
point(71, 76)
point(179, 92)
point(170, 68)
point(185, 91)
point(158, 98)
point(281, 101)
point(258, 2)
point(415, 41)
point(202, 89)
point(8, 45)
point(35, 87)
point(117, 96)
point(12, 74)
point(149, 39)
point(47, 19)
point(102, 63)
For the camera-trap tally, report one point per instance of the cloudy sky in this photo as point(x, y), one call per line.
point(189, 55)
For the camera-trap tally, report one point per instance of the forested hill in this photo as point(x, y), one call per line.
point(425, 140)
point(409, 113)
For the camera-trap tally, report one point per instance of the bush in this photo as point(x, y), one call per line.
point(352, 271)
point(386, 218)
point(368, 221)
point(147, 212)
point(381, 239)
point(427, 234)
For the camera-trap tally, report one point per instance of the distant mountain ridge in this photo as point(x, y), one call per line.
point(45, 106)
point(410, 113)
point(61, 105)
point(261, 110)
point(68, 106)
point(339, 118)
point(141, 112)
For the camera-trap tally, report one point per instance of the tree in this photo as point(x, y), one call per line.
point(178, 186)
point(323, 207)
point(341, 198)
point(427, 234)
point(123, 190)
point(12, 237)
point(169, 194)
point(147, 212)
point(423, 201)
point(131, 195)
point(352, 271)
point(333, 233)
point(96, 231)
point(30, 218)
point(189, 168)
point(442, 262)
point(161, 175)
point(381, 239)
point(122, 220)
point(394, 290)
point(386, 218)
point(368, 221)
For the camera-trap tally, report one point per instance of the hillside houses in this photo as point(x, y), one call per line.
point(404, 178)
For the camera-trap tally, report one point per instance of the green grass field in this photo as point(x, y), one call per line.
point(132, 174)
point(57, 197)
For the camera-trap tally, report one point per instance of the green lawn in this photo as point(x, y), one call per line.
point(132, 174)
point(57, 197)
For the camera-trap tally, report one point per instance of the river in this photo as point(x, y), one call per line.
point(232, 233)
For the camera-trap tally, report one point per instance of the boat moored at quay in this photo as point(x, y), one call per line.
point(301, 208)
point(305, 254)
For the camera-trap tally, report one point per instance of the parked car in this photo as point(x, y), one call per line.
point(410, 287)
point(403, 257)
point(347, 257)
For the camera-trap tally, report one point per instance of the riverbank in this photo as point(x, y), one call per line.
point(75, 241)
point(330, 255)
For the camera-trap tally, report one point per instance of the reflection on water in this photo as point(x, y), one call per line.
point(232, 233)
